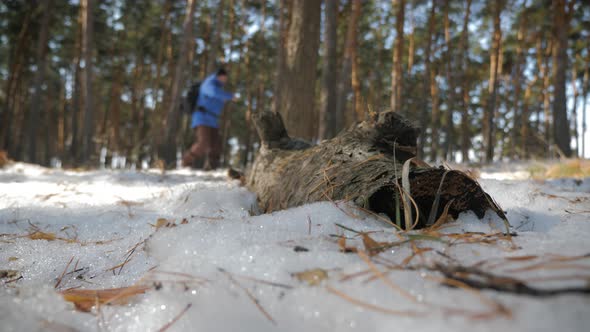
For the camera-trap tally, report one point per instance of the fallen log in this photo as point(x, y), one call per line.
point(372, 164)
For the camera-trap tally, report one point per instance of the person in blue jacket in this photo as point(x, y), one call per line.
point(205, 121)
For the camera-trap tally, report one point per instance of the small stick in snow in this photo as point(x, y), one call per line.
point(387, 281)
point(250, 296)
point(63, 273)
point(169, 324)
point(370, 306)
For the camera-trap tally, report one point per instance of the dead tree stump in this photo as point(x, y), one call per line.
point(363, 164)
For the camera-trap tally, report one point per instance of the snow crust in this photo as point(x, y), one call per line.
point(209, 259)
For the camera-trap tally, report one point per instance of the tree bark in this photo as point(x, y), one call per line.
point(561, 129)
point(435, 122)
point(86, 6)
point(167, 150)
point(363, 165)
point(585, 94)
point(517, 83)
point(327, 128)
point(345, 78)
point(18, 55)
point(216, 38)
point(398, 51)
point(450, 77)
point(355, 80)
point(574, 121)
point(38, 80)
point(427, 81)
point(464, 63)
point(295, 89)
point(488, 127)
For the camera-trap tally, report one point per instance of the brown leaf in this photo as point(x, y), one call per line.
point(39, 235)
point(373, 247)
point(344, 248)
point(313, 277)
point(163, 222)
point(85, 299)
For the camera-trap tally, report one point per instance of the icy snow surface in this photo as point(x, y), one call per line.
point(222, 258)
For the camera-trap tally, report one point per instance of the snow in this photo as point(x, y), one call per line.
point(209, 260)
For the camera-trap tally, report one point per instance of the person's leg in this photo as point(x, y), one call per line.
point(215, 148)
point(198, 149)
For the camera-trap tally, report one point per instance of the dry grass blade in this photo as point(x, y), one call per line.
point(407, 193)
point(175, 319)
point(85, 299)
point(128, 257)
point(250, 296)
point(264, 282)
point(370, 306)
point(383, 278)
point(444, 217)
point(551, 266)
point(436, 201)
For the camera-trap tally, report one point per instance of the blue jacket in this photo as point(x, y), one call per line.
point(211, 98)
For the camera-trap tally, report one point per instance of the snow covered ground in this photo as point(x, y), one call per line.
point(222, 269)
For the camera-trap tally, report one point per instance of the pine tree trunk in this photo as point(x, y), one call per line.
point(517, 107)
point(561, 128)
point(327, 128)
point(216, 38)
point(355, 80)
point(295, 90)
point(38, 80)
point(17, 57)
point(574, 122)
point(465, 100)
point(167, 150)
point(450, 76)
point(86, 6)
point(488, 125)
point(424, 118)
point(398, 51)
point(434, 144)
point(344, 85)
point(584, 94)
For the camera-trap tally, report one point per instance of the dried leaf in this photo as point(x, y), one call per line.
point(85, 299)
point(344, 248)
point(373, 247)
point(313, 277)
point(5, 274)
point(163, 222)
point(39, 235)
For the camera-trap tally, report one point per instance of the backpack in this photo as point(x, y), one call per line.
point(192, 95)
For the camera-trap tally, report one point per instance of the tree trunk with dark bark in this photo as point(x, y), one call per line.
point(87, 78)
point(398, 51)
point(488, 122)
point(167, 148)
point(365, 165)
point(561, 128)
point(33, 118)
point(294, 95)
point(327, 128)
